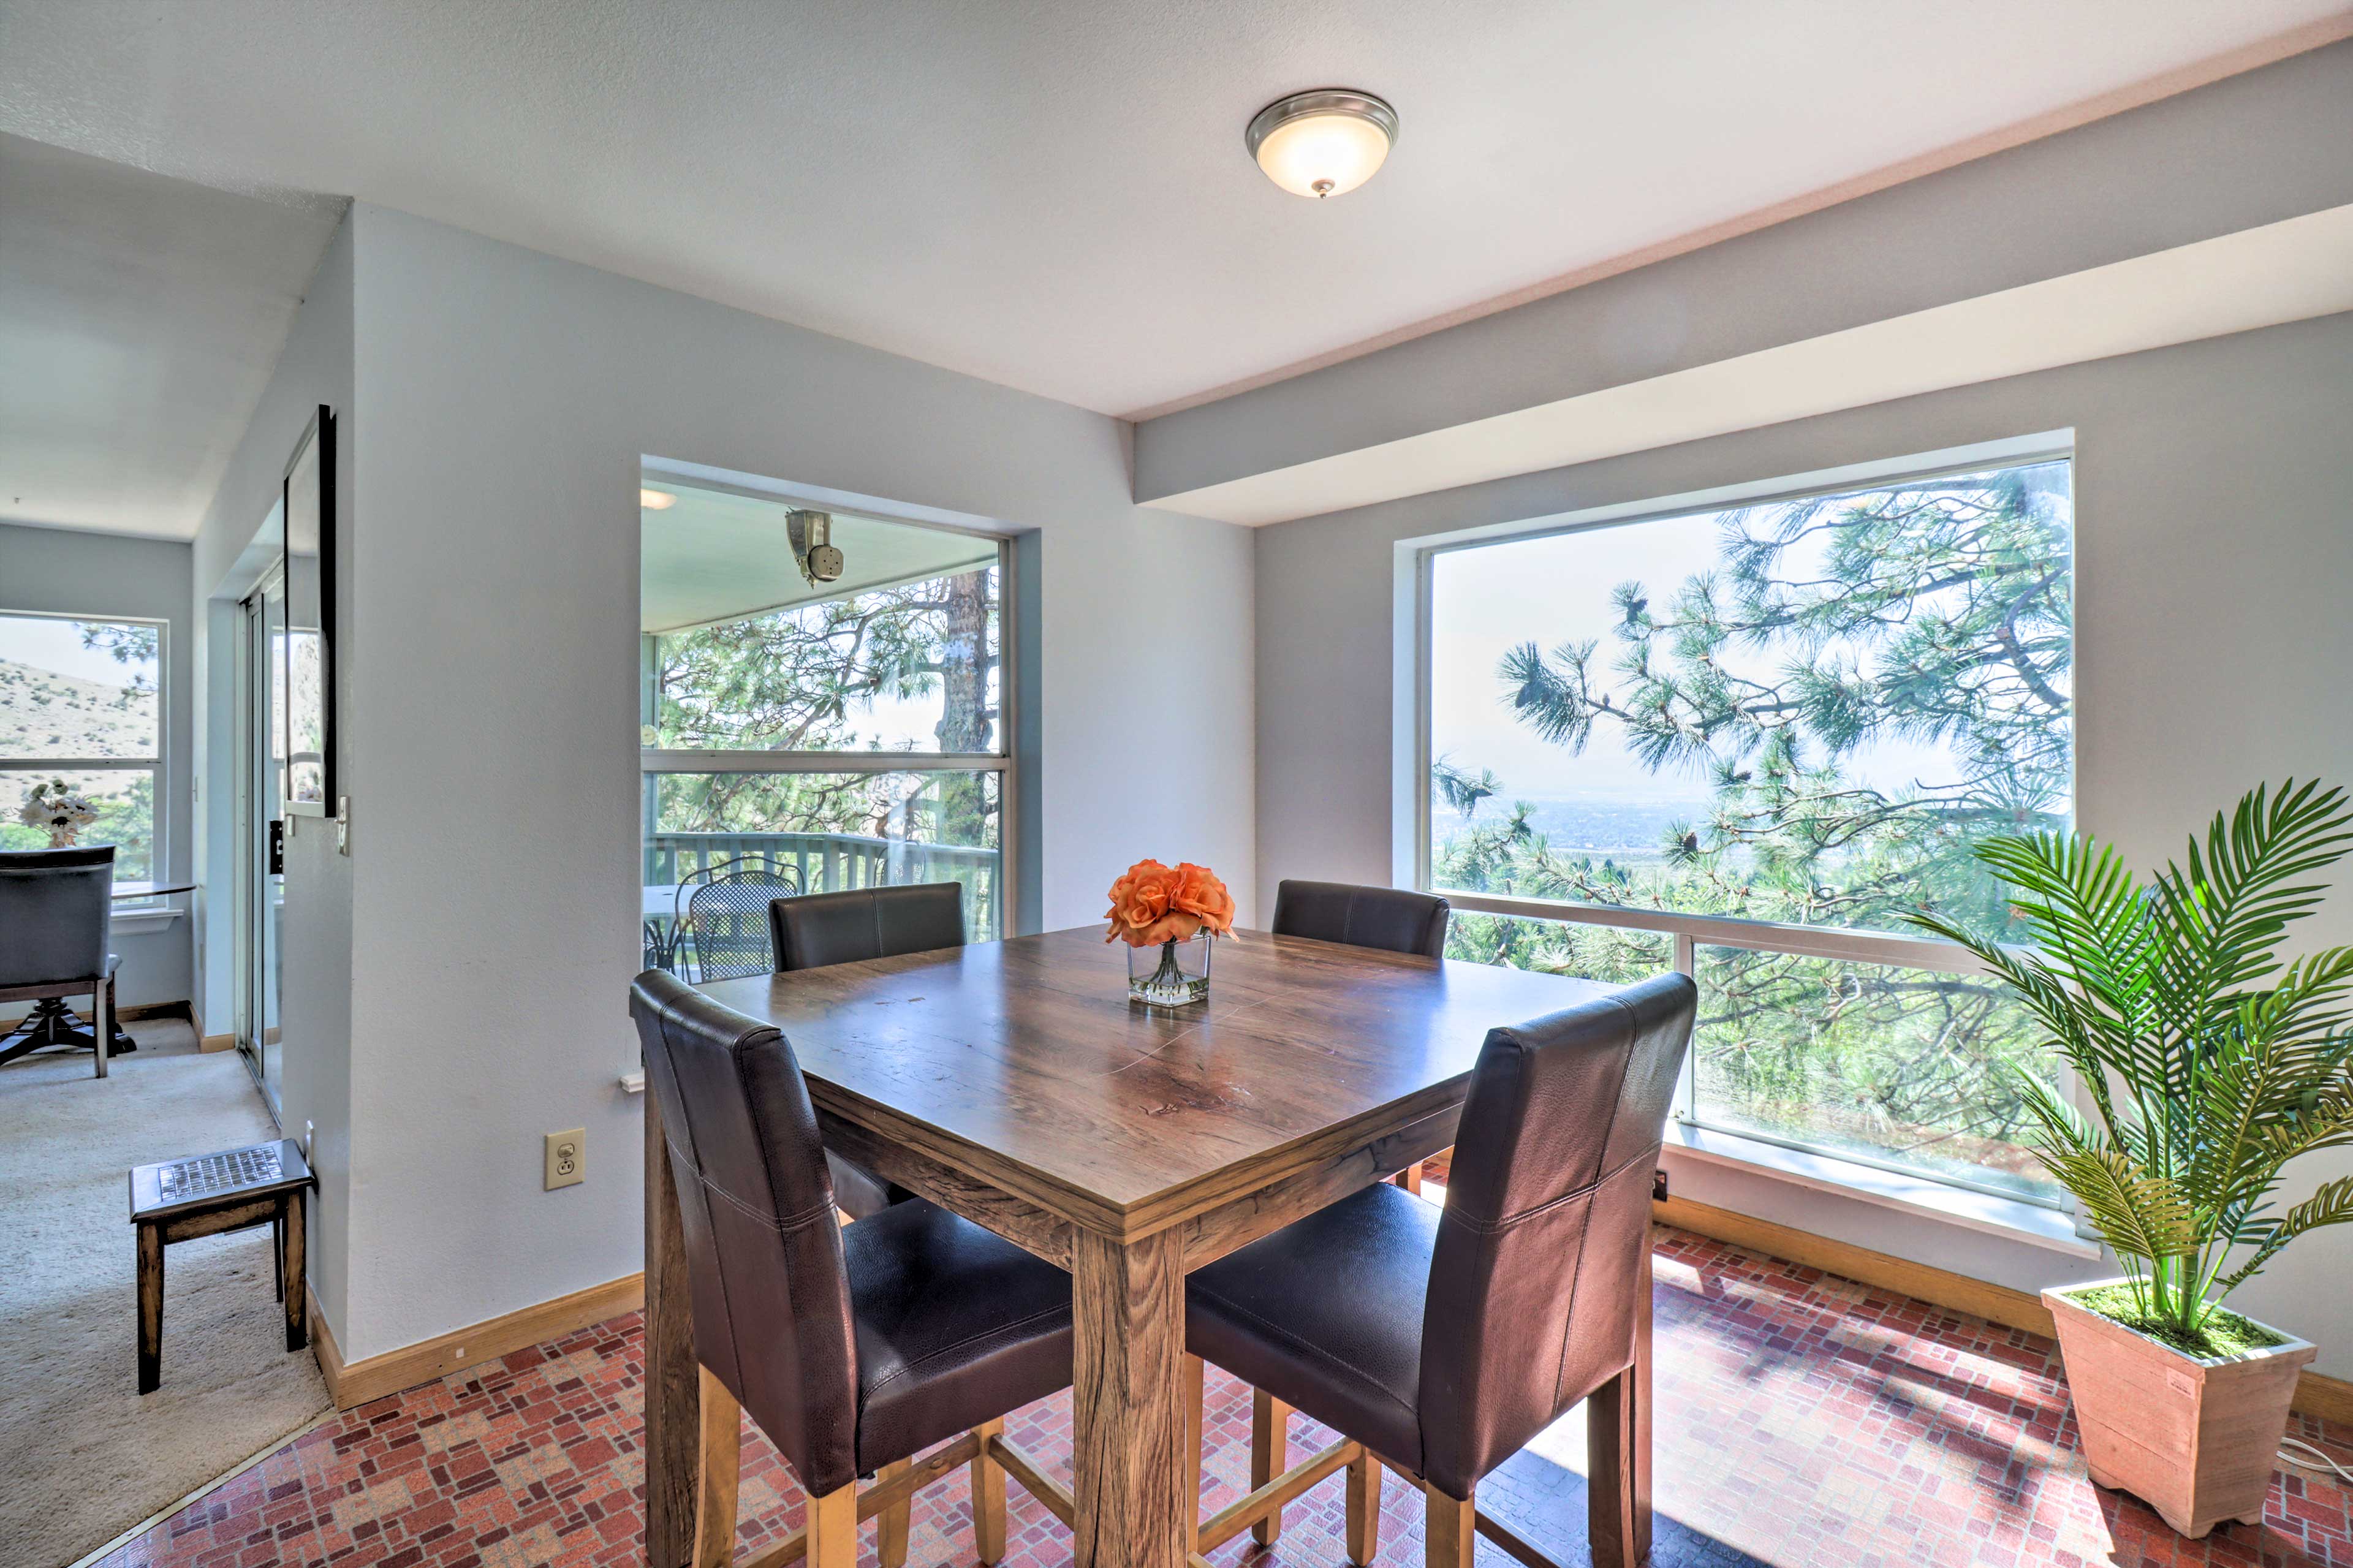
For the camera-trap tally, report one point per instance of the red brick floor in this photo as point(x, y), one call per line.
point(1802, 1419)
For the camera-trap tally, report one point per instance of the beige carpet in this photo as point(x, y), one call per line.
point(85, 1455)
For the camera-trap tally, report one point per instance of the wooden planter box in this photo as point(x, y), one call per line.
point(2193, 1440)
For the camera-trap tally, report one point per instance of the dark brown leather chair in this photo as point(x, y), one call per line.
point(843, 928)
point(868, 922)
point(55, 905)
point(1390, 919)
point(1439, 1340)
point(854, 1349)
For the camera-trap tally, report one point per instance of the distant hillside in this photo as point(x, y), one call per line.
point(44, 713)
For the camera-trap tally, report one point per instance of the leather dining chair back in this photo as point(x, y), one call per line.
point(1390, 919)
point(868, 922)
point(767, 1278)
point(1543, 1247)
point(53, 914)
point(55, 905)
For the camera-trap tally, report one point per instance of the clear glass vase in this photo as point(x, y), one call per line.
point(1172, 973)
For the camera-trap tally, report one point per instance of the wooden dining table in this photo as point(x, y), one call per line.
point(1013, 1083)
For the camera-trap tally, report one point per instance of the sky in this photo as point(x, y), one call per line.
point(53, 643)
point(1487, 599)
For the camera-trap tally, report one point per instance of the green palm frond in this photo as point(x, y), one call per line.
point(2208, 1063)
point(2139, 1215)
point(2331, 1204)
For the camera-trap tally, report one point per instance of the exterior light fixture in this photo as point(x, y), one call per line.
point(656, 500)
point(811, 533)
point(1322, 144)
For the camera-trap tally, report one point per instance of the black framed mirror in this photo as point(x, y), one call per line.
point(310, 715)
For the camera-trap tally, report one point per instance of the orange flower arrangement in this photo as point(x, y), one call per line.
point(1151, 903)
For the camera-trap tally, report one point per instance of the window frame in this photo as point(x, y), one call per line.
point(156, 767)
point(655, 760)
point(1415, 561)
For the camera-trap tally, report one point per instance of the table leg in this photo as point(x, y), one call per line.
point(290, 1264)
point(673, 1383)
point(1126, 1404)
point(150, 1308)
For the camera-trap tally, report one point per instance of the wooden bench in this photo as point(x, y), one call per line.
point(206, 1195)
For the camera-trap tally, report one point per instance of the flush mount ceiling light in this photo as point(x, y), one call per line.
point(656, 500)
point(1322, 144)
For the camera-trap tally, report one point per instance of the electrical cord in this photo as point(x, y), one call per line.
point(2317, 1462)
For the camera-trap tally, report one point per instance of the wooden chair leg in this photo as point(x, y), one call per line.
point(890, 1523)
point(1270, 1455)
point(721, 1443)
point(1452, 1528)
point(150, 1308)
point(293, 1241)
point(1194, 1376)
point(1363, 1509)
point(832, 1529)
point(988, 1498)
point(1410, 1178)
point(1618, 1447)
point(105, 1023)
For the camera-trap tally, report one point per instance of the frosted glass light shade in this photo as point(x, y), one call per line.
point(1322, 144)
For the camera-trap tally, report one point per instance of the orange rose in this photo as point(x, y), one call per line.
point(1139, 899)
point(1170, 927)
point(1153, 903)
point(1199, 892)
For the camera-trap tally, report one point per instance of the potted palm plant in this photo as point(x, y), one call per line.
point(2208, 1063)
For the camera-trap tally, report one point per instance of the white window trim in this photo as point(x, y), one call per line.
point(2010, 1218)
point(157, 766)
point(1957, 1202)
point(688, 760)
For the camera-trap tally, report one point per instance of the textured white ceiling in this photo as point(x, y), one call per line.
point(139, 317)
point(1053, 193)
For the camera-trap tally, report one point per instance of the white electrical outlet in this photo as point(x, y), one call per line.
point(567, 1158)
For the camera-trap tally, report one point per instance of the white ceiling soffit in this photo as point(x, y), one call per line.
point(139, 317)
point(1055, 195)
point(716, 556)
point(2288, 271)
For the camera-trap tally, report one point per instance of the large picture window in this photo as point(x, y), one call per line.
point(840, 733)
point(1764, 734)
point(80, 701)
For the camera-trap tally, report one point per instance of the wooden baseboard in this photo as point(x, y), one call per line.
point(2331, 1398)
point(323, 1349)
point(354, 1383)
point(1938, 1287)
point(135, 1010)
point(213, 1043)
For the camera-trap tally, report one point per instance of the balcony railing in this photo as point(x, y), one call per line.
point(835, 862)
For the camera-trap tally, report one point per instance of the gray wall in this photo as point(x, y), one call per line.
point(63, 572)
point(2214, 504)
point(506, 399)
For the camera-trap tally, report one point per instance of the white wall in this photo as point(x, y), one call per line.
point(492, 732)
point(314, 367)
point(56, 571)
point(2214, 509)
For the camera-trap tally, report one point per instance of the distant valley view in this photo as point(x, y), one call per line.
point(1630, 833)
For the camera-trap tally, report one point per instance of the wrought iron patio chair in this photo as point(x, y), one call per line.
point(725, 931)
